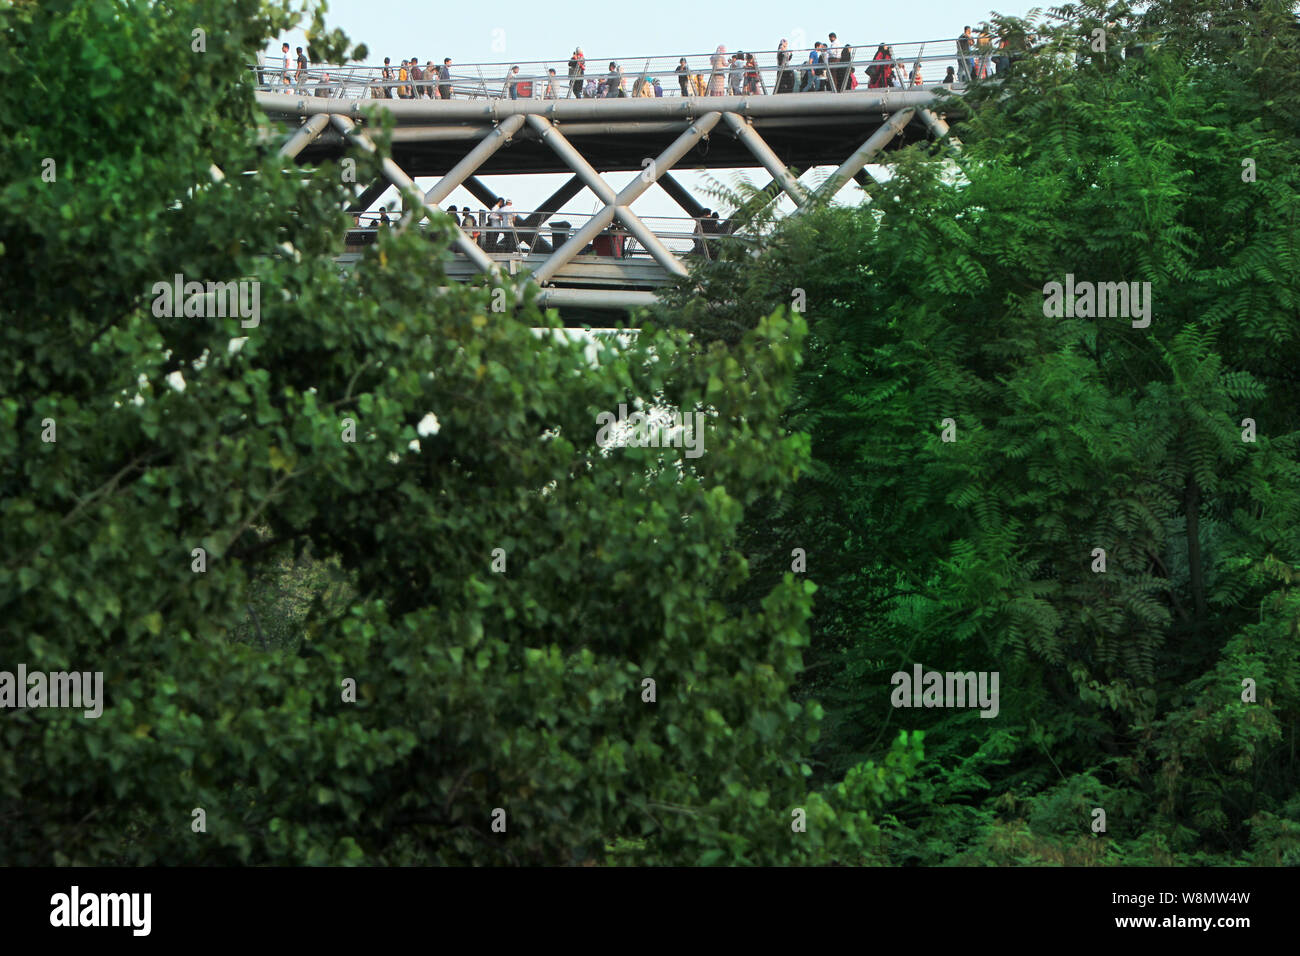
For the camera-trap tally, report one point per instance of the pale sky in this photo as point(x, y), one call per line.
point(511, 30)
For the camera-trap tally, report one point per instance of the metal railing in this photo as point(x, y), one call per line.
point(523, 234)
point(899, 65)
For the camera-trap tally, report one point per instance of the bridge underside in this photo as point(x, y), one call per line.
point(804, 129)
point(800, 144)
point(456, 142)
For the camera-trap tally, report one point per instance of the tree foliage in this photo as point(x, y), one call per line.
point(1123, 689)
point(518, 686)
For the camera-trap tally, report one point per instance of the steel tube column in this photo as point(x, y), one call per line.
point(406, 184)
point(763, 153)
point(682, 145)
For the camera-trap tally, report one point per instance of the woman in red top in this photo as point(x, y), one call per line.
point(751, 75)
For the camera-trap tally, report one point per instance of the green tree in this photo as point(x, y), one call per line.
point(1121, 689)
point(504, 585)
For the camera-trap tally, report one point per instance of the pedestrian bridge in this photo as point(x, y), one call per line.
point(613, 259)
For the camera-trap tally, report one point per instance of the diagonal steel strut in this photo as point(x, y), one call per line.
point(404, 182)
point(475, 158)
point(303, 135)
point(758, 147)
point(863, 154)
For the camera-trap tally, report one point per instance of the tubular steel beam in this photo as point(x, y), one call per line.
point(595, 298)
point(480, 191)
point(367, 198)
point(307, 132)
point(564, 149)
point(475, 158)
point(678, 193)
point(552, 204)
point(682, 145)
point(437, 134)
point(864, 153)
point(763, 153)
point(938, 127)
point(407, 185)
point(487, 111)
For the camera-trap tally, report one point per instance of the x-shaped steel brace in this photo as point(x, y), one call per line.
point(616, 204)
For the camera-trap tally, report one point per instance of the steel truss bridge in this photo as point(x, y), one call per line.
point(614, 259)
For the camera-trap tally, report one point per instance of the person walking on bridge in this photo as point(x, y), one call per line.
point(876, 76)
point(577, 67)
point(753, 80)
point(718, 78)
point(684, 76)
point(965, 45)
point(444, 78)
point(736, 84)
point(614, 82)
point(840, 72)
point(784, 75)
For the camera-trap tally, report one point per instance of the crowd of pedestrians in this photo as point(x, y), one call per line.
point(500, 229)
point(830, 66)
